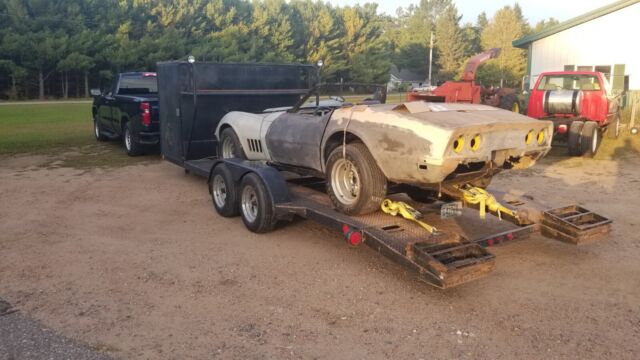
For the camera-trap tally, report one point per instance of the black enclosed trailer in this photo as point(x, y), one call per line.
point(193, 99)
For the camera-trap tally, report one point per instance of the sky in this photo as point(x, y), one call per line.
point(533, 10)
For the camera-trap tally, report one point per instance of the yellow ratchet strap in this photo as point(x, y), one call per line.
point(406, 211)
point(477, 196)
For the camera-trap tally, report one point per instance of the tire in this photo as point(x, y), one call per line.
point(229, 145)
point(613, 129)
point(355, 183)
point(422, 195)
point(575, 135)
point(224, 192)
point(510, 102)
point(130, 145)
point(256, 208)
point(591, 138)
point(97, 131)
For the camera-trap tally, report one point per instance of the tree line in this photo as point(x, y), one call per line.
point(61, 48)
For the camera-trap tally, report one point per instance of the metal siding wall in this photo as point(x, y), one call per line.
point(602, 41)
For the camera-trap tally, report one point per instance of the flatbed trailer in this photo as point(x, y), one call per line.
point(455, 254)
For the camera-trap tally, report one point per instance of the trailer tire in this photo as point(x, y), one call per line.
point(132, 147)
point(229, 145)
point(575, 135)
point(358, 170)
point(613, 129)
point(256, 207)
point(591, 137)
point(224, 192)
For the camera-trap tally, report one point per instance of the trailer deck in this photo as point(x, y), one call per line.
point(455, 255)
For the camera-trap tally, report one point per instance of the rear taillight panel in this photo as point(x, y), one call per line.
point(145, 107)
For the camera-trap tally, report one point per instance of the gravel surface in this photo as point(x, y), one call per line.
point(22, 338)
point(134, 262)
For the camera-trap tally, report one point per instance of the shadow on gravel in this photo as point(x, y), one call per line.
point(24, 338)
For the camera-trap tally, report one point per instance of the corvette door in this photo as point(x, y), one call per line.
point(295, 138)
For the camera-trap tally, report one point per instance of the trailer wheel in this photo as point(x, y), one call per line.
point(230, 146)
point(97, 130)
point(256, 206)
point(130, 145)
point(613, 129)
point(356, 185)
point(224, 192)
point(575, 134)
point(590, 141)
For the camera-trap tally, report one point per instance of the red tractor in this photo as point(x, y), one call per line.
point(467, 91)
point(581, 105)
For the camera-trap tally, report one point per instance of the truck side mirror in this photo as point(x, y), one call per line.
point(95, 92)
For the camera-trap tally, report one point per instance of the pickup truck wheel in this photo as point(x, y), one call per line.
point(224, 192)
point(613, 129)
point(256, 206)
point(97, 130)
point(356, 185)
point(575, 135)
point(132, 147)
point(591, 137)
point(229, 145)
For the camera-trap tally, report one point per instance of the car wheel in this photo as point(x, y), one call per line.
point(591, 137)
point(575, 134)
point(97, 131)
point(132, 147)
point(613, 129)
point(355, 183)
point(229, 146)
point(256, 208)
point(224, 192)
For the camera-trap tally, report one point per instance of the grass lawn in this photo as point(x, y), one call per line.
point(43, 127)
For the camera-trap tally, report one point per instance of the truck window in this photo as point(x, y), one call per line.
point(569, 82)
point(138, 84)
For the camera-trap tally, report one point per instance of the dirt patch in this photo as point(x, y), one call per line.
point(133, 261)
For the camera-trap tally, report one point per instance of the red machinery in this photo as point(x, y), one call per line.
point(581, 106)
point(467, 91)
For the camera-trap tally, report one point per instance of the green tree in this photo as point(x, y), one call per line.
point(506, 26)
point(450, 43)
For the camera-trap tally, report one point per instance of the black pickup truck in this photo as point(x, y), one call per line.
point(128, 110)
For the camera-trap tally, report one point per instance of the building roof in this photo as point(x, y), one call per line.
point(523, 42)
point(407, 75)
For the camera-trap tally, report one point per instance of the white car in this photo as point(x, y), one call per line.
point(362, 148)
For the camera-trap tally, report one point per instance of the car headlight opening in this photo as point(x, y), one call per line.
point(458, 144)
point(541, 137)
point(530, 136)
point(475, 142)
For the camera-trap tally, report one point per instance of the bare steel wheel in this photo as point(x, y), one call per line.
point(249, 204)
point(229, 145)
point(219, 191)
point(223, 191)
point(257, 209)
point(345, 181)
point(355, 183)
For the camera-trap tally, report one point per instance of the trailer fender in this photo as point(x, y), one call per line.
point(273, 180)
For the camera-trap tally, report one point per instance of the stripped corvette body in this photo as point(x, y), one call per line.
point(420, 144)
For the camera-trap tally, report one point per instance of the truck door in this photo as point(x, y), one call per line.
point(295, 138)
point(105, 109)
